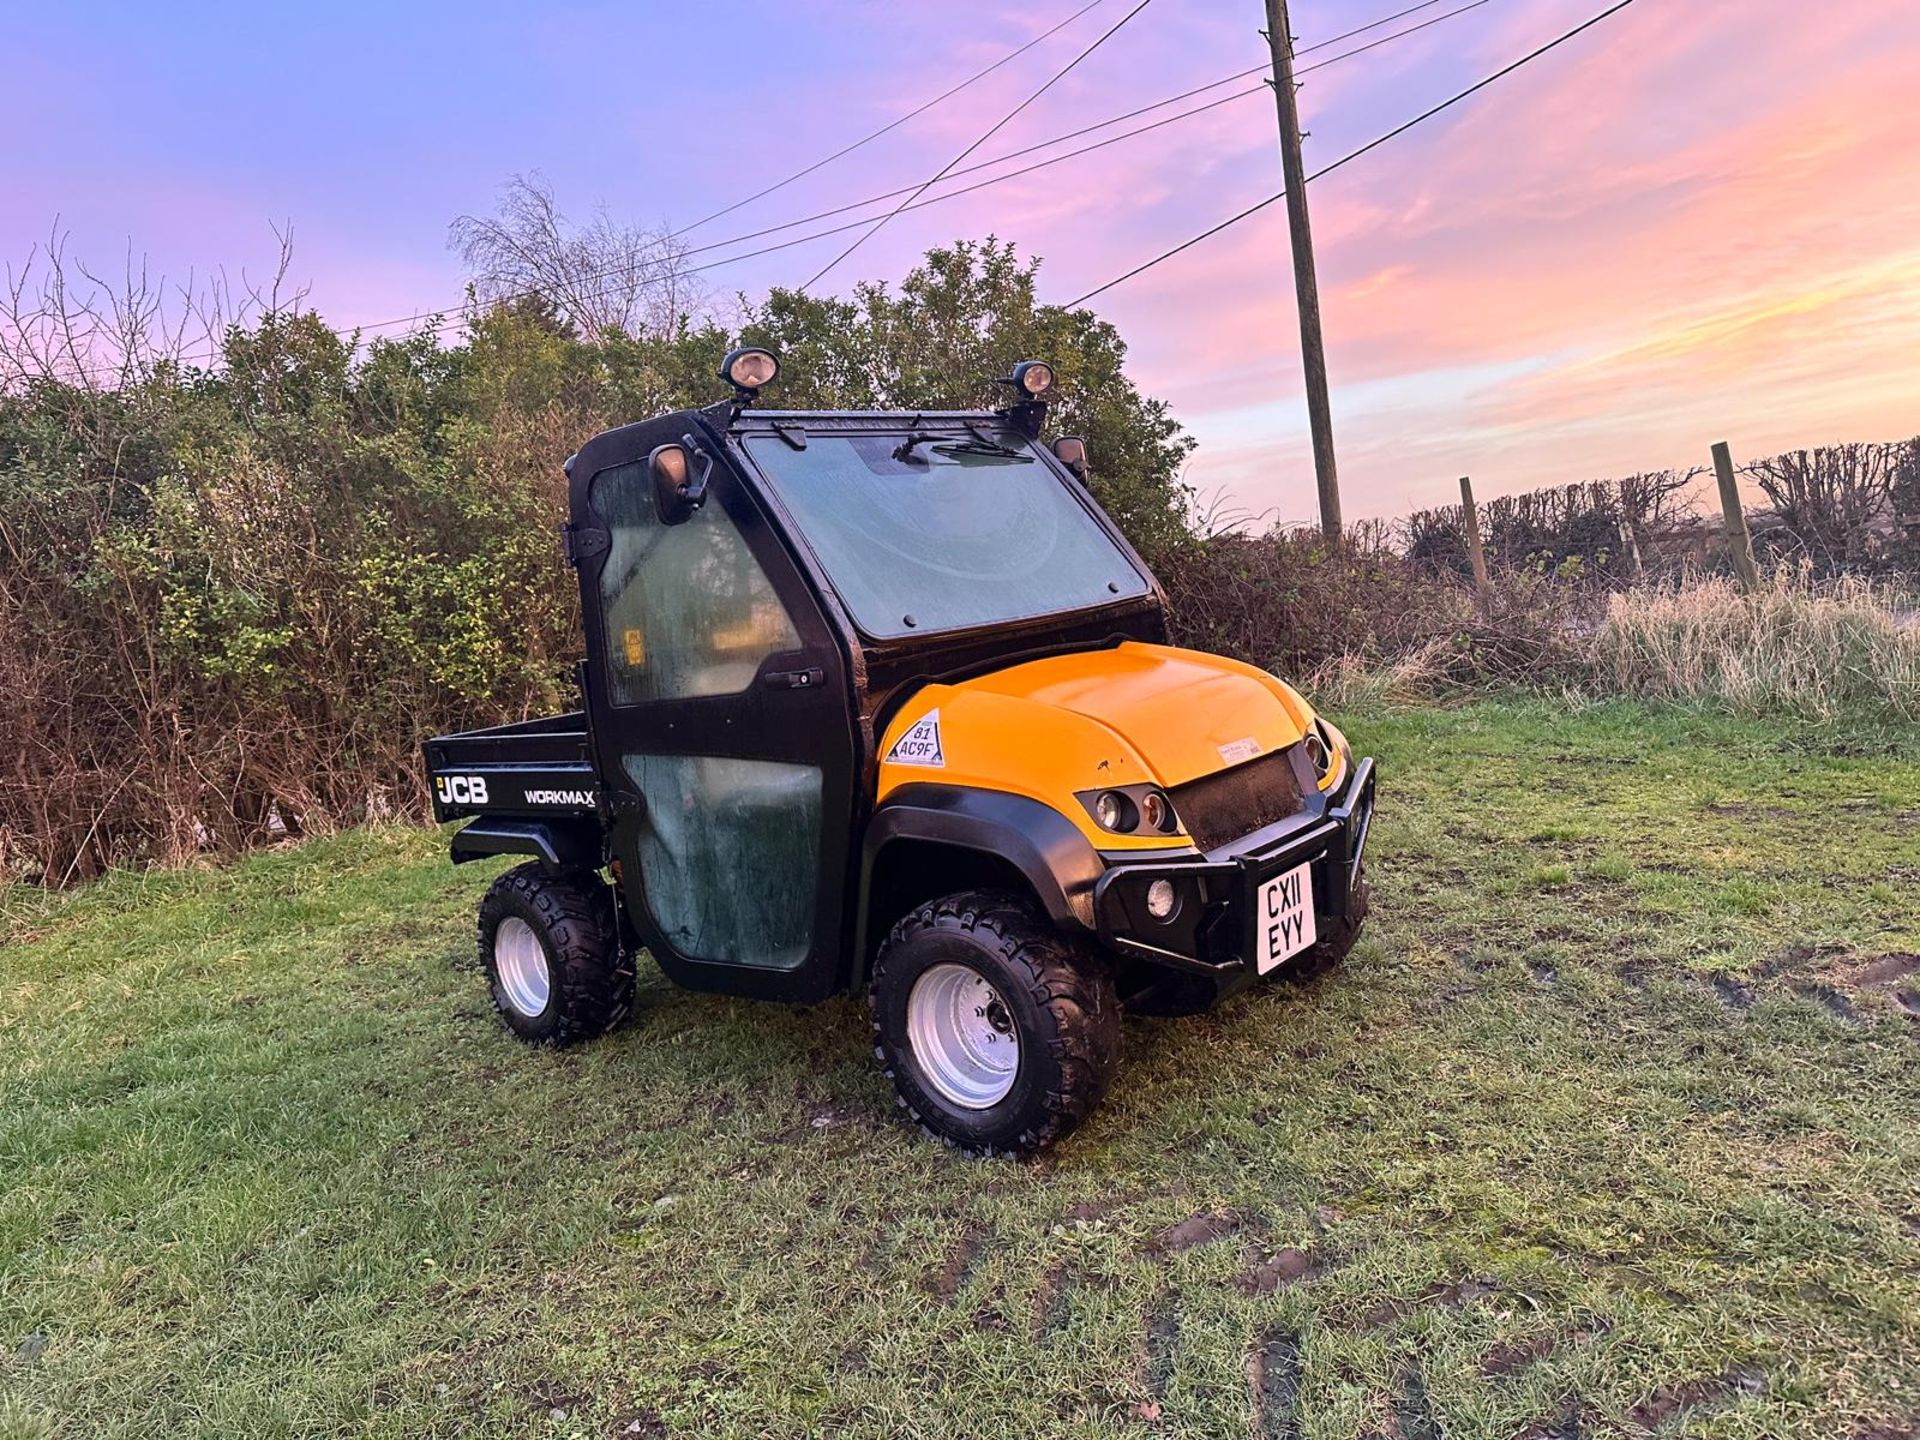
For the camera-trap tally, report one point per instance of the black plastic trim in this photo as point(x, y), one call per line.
point(572, 845)
point(1056, 858)
point(1205, 936)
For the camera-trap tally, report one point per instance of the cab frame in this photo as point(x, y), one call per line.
point(821, 703)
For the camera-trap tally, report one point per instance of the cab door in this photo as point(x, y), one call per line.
point(722, 721)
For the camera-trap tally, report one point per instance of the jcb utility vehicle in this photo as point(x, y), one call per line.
point(883, 701)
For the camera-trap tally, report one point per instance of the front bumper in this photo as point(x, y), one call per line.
point(1211, 932)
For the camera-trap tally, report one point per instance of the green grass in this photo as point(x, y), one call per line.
point(1606, 1124)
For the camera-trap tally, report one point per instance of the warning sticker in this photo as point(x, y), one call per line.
point(920, 745)
point(1235, 751)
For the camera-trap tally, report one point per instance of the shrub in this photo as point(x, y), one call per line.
point(234, 601)
point(1289, 602)
point(1834, 508)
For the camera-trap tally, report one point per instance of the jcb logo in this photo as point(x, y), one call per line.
point(461, 789)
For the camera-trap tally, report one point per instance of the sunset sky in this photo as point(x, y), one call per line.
point(1699, 221)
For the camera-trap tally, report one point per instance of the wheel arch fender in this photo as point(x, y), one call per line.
point(996, 831)
point(563, 844)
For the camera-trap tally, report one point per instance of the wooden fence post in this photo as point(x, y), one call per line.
point(1474, 551)
point(1739, 541)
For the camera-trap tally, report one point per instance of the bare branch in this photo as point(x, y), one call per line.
point(600, 277)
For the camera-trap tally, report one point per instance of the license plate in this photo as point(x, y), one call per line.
point(1285, 922)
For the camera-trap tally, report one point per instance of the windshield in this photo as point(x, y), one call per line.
point(943, 529)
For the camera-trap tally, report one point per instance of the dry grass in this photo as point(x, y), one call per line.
point(1813, 649)
point(1350, 681)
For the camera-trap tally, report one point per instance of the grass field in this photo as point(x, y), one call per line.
point(1611, 1125)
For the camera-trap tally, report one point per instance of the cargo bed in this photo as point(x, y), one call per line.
point(538, 767)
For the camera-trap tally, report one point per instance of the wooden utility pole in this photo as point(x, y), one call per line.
point(1474, 551)
point(1739, 541)
point(1306, 285)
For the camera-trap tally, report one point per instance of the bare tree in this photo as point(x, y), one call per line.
point(64, 323)
point(598, 277)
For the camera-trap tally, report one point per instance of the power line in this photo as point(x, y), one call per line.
point(1085, 130)
point(982, 184)
point(1373, 144)
point(892, 125)
point(985, 136)
point(910, 190)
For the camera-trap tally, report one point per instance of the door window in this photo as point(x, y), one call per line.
point(688, 611)
point(730, 854)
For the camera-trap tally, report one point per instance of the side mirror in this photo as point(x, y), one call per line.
point(1071, 451)
point(679, 474)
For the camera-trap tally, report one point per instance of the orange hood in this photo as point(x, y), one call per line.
point(1052, 729)
point(1183, 713)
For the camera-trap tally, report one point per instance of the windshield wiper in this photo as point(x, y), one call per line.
point(987, 442)
point(982, 444)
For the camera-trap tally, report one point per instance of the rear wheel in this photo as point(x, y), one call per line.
point(999, 1033)
point(551, 948)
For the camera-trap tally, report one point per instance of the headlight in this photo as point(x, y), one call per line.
point(1114, 811)
point(1319, 752)
point(1327, 749)
point(1153, 810)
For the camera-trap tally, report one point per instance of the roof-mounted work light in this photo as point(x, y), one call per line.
point(748, 369)
point(1032, 378)
point(1031, 381)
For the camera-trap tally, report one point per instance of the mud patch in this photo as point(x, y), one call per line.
point(1798, 957)
point(1542, 972)
point(1455, 1293)
point(1516, 1355)
point(1050, 1303)
point(1383, 1313)
point(1284, 1267)
point(1563, 1425)
point(1274, 1373)
point(1413, 1408)
point(1162, 1340)
point(1830, 1000)
point(1194, 1231)
point(992, 1317)
point(957, 1267)
point(1713, 1390)
point(1909, 1001)
point(1733, 994)
point(646, 1425)
point(1748, 811)
point(1886, 969)
point(1464, 1292)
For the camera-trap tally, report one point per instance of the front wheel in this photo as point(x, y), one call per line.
point(1337, 937)
point(999, 1033)
point(551, 948)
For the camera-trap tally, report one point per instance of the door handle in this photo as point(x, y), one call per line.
point(806, 679)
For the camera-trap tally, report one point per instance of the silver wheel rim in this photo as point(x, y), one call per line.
point(963, 1037)
point(521, 963)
